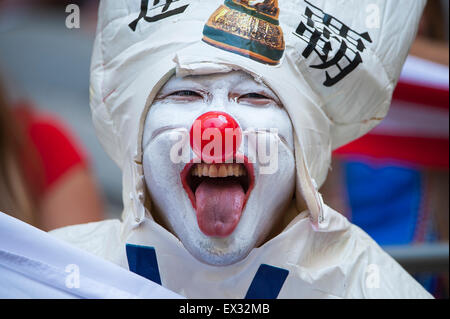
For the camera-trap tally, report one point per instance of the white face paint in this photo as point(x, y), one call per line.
point(196, 209)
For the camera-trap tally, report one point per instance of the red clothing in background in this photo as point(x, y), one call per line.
point(55, 149)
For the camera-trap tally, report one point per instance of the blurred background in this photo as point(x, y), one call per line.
point(47, 65)
point(393, 182)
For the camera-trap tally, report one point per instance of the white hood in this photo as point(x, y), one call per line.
point(138, 48)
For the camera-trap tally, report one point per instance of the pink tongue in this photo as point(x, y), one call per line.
point(219, 206)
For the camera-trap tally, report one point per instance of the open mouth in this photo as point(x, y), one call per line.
point(218, 193)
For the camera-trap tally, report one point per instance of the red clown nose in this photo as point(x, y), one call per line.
point(215, 137)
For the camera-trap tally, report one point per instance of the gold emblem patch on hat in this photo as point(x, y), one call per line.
point(248, 28)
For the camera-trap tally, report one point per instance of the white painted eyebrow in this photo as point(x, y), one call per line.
point(175, 84)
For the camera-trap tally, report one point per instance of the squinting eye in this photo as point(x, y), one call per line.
point(186, 93)
point(255, 99)
point(253, 96)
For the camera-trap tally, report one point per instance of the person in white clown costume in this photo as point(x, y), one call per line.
point(294, 79)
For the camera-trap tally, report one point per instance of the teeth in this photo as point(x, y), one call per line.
point(204, 171)
point(213, 171)
point(216, 170)
point(223, 172)
point(236, 170)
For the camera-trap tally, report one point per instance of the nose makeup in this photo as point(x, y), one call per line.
point(215, 137)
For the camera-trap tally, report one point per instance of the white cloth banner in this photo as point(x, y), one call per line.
point(33, 264)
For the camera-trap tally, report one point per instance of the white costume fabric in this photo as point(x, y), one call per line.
point(335, 88)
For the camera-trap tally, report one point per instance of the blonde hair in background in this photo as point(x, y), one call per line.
point(15, 192)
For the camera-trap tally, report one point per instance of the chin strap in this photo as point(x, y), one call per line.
point(308, 188)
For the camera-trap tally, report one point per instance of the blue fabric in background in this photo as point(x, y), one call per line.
point(385, 200)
